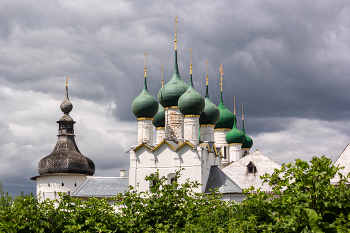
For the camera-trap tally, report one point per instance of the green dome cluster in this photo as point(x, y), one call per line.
point(172, 91)
point(248, 142)
point(191, 102)
point(235, 135)
point(159, 119)
point(226, 117)
point(211, 113)
point(145, 105)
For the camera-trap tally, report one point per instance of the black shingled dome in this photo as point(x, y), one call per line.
point(66, 157)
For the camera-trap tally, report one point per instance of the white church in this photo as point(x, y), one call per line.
point(192, 133)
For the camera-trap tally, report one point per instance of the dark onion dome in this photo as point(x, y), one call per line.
point(248, 142)
point(66, 157)
point(169, 94)
point(226, 117)
point(211, 113)
point(235, 135)
point(159, 119)
point(191, 102)
point(145, 105)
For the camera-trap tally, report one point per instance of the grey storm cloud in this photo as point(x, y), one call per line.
point(289, 61)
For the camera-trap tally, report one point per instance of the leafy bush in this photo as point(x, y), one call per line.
point(306, 201)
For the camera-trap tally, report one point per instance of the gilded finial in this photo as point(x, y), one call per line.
point(222, 72)
point(234, 105)
point(242, 112)
point(67, 82)
point(206, 72)
point(175, 33)
point(162, 77)
point(145, 62)
point(190, 61)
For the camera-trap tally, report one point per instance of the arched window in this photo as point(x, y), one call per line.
point(251, 168)
point(62, 184)
point(75, 185)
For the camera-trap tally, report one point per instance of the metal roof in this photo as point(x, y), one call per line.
point(218, 179)
point(343, 161)
point(102, 187)
point(238, 171)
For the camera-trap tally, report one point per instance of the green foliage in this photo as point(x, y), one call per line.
point(304, 200)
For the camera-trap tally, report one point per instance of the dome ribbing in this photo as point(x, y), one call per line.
point(159, 119)
point(191, 102)
point(66, 157)
point(248, 142)
point(211, 113)
point(226, 119)
point(235, 135)
point(145, 105)
point(171, 92)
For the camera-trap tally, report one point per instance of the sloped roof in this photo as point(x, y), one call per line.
point(343, 161)
point(218, 179)
point(102, 187)
point(238, 171)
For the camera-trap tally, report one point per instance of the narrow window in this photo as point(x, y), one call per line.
point(69, 193)
point(172, 180)
point(225, 156)
point(48, 185)
point(75, 185)
point(251, 168)
point(62, 184)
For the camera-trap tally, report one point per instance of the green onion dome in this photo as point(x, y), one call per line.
point(159, 119)
point(145, 105)
point(211, 113)
point(226, 117)
point(191, 102)
point(171, 92)
point(235, 135)
point(248, 142)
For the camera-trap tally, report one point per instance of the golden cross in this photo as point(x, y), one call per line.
point(242, 112)
point(175, 32)
point(67, 82)
point(190, 61)
point(222, 72)
point(145, 62)
point(234, 105)
point(207, 71)
point(162, 76)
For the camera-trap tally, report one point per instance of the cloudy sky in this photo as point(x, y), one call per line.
point(289, 61)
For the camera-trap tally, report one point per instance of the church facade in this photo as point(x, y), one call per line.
point(192, 135)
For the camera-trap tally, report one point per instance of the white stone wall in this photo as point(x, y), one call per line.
point(196, 162)
point(235, 151)
point(49, 186)
point(160, 131)
point(207, 133)
point(145, 131)
point(220, 141)
point(174, 124)
point(191, 129)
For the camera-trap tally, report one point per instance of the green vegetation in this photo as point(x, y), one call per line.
point(306, 202)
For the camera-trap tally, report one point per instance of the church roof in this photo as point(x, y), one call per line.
point(239, 173)
point(343, 161)
point(102, 187)
point(219, 180)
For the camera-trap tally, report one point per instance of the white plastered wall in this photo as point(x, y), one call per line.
point(49, 186)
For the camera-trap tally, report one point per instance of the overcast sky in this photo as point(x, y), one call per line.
point(289, 61)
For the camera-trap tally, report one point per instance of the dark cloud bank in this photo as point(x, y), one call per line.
point(287, 60)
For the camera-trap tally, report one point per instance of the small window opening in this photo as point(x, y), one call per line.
point(69, 193)
point(62, 184)
point(225, 156)
point(48, 185)
point(172, 180)
point(153, 183)
point(251, 168)
point(75, 185)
